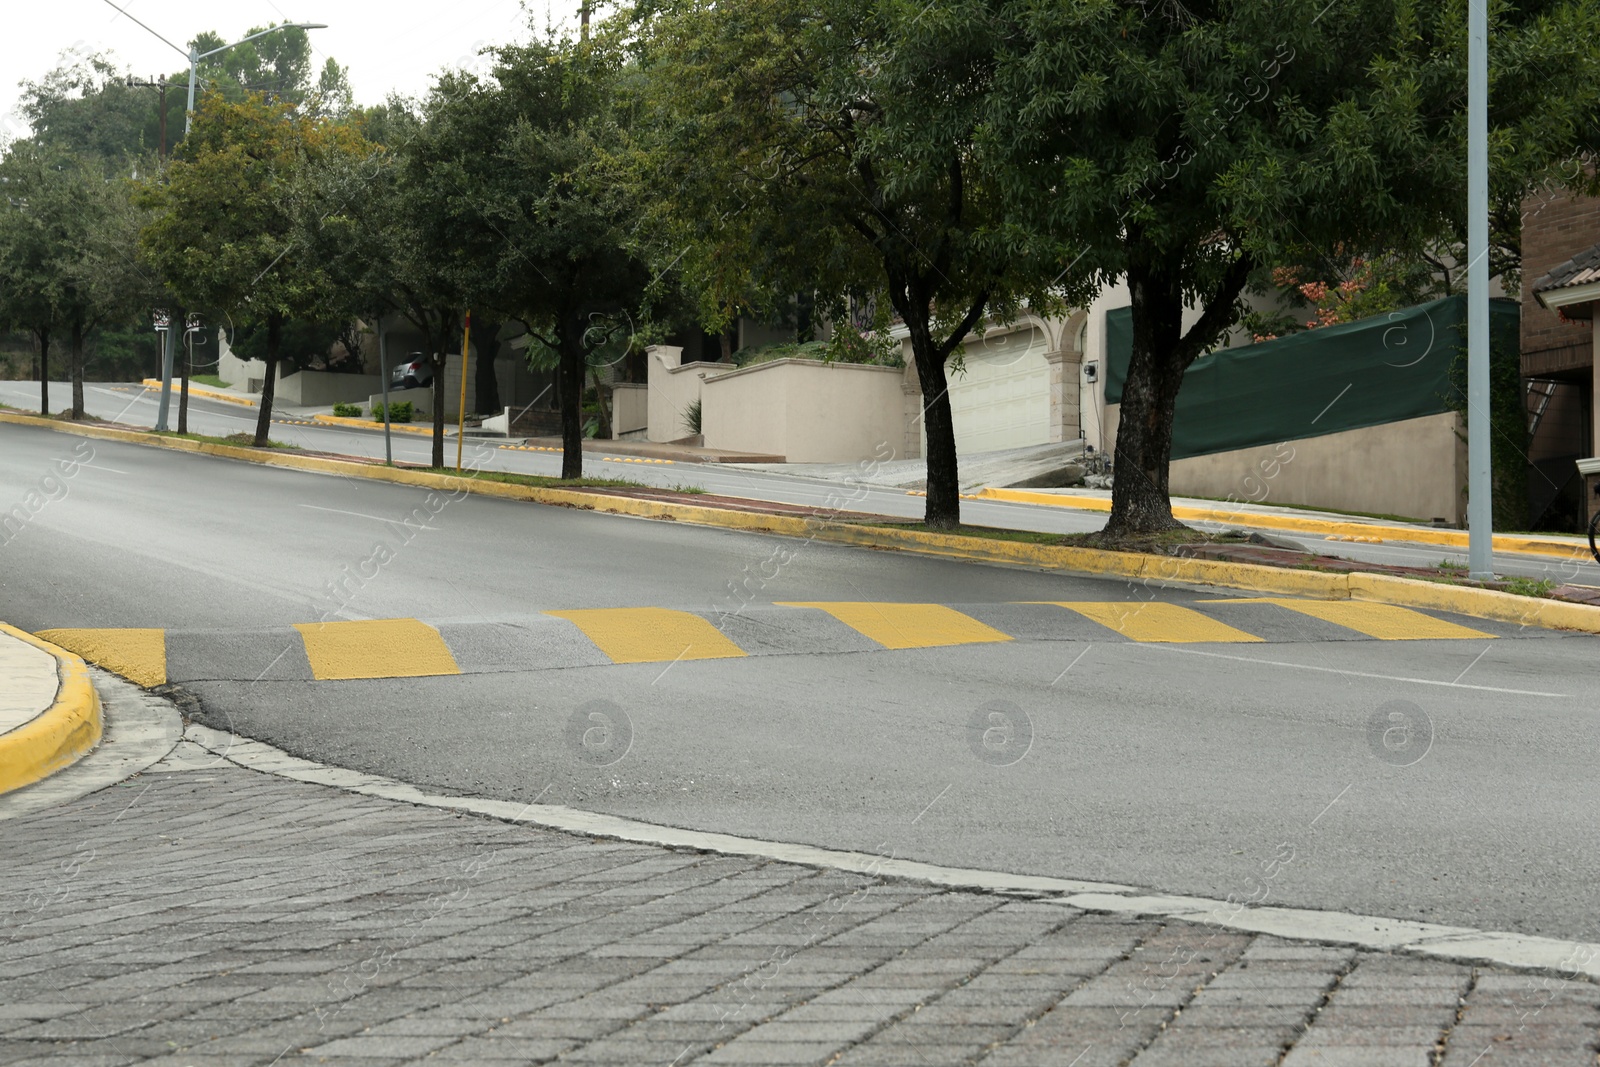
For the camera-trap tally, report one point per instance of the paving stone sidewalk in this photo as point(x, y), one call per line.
point(205, 914)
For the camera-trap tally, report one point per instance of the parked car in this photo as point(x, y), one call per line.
point(418, 372)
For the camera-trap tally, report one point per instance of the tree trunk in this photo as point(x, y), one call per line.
point(44, 371)
point(77, 367)
point(439, 360)
point(487, 387)
point(1162, 351)
point(269, 387)
point(943, 510)
point(569, 393)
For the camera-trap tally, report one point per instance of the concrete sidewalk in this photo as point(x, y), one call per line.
point(206, 914)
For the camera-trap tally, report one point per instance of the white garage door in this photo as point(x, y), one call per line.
point(1003, 399)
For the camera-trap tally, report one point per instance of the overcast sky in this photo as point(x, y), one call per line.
point(387, 44)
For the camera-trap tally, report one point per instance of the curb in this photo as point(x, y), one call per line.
point(1361, 531)
point(1385, 589)
point(1373, 932)
point(60, 734)
point(205, 391)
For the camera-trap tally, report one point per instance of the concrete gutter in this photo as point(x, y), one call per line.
point(1134, 566)
point(1360, 531)
point(49, 710)
point(205, 391)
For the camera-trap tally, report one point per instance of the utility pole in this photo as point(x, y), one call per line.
point(160, 85)
point(583, 21)
point(1480, 510)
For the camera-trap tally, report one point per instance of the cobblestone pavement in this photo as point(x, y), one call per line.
point(207, 915)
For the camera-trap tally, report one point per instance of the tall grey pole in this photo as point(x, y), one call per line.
point(168, 343)
point(1480, 509)
point(383, 375)
point(194, 70)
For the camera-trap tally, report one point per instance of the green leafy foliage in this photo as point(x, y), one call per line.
point(399, 411)
point(224, 230)
point(347, 411)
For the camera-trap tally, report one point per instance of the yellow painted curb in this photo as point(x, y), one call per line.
point(201, 390)
point(370, 424)
point(1135, 566)
point(62, 733)
point(1359, 531)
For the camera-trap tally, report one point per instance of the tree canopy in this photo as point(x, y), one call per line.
point(1185, 147)
point(792, 146)
point(224, 227)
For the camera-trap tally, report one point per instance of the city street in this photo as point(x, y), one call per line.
point(137, 406)
point(1399, 764)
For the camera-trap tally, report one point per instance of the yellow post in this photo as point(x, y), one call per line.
point(461, 416)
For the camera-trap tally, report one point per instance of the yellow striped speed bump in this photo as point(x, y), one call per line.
point(139, 655)
point(1386, 622)
point(375, 648)
point(1154, 621)
point(907, 625)
point(651, 635)
point(603, 459)
point(410, 648)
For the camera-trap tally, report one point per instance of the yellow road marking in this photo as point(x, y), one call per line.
point(907, 625)
point(1154, 621)
point(1387, 622)
point(650, 635)
point(375, 648)
point(139, 655)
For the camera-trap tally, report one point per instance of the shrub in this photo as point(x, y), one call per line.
point(347, 411)
point(399, 411)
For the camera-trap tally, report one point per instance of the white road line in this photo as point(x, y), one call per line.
point(1366, 931)
point(1340, 670)
point(363, 515)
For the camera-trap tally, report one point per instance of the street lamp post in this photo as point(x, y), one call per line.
point(163, 325)
point(195, 56)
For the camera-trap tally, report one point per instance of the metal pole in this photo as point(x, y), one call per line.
point(383, 373)
point(461, 415)
point(1480, 509)
point(194, 70)
point(167, 343)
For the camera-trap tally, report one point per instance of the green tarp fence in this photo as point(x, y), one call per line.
point(1384, 369)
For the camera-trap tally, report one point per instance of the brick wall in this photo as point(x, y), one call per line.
point(1555, 227)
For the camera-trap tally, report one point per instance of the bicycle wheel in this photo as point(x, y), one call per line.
point(1594, 536)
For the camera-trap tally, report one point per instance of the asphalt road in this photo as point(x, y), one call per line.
point(135, 405)
point(1447, 780)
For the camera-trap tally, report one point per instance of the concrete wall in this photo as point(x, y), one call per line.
point(249, 374)
point(1416, 468)
point(630, 407)
point(315, 388)
point(807, 411)
point(673, 388)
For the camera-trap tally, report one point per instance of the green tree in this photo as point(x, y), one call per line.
point(378, 225)
point(831, 147)
point(530, 225)
point(1186, 147)
point(67, 258)
point(224, 230)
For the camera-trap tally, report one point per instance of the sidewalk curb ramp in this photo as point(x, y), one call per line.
point(1137, 567)
point(203, 390)
point(59, 735)
point(1377, 531)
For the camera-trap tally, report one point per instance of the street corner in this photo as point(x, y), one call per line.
point(50, 714)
